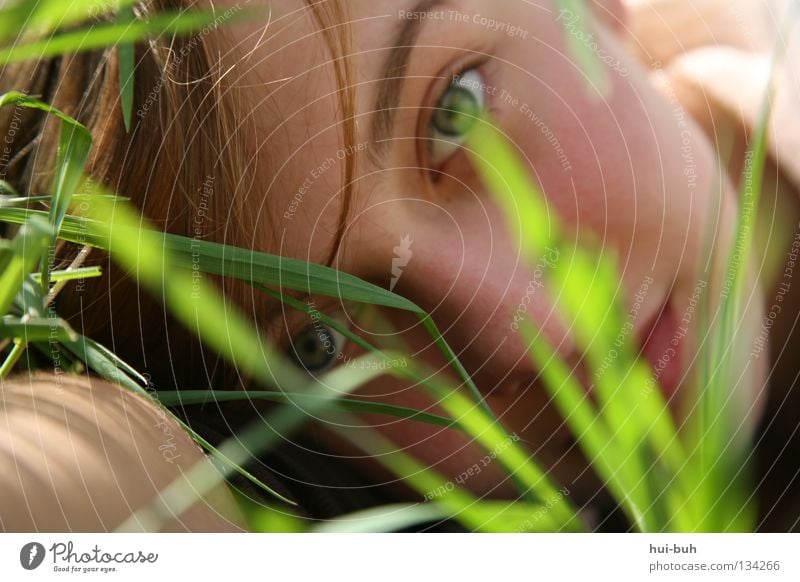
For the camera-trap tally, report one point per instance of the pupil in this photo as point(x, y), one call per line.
point(309, 345)
point(313, 349)
point(457, 112)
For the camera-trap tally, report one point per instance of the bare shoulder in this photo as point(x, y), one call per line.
point(81, 454)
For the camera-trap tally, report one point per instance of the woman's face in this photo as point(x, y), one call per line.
point(625, 165)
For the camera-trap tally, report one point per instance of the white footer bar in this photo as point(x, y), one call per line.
point(399, 557)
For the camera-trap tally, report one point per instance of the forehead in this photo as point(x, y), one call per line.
point(289, 61)
point(294, 41)
point(284, 72)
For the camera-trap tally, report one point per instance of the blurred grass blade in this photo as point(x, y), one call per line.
point(196, 303)
point(720, 443)
point(521, 517)
point(453, 500)
point(29, 300)
point(72, 274)
point(384, 518)
point(577, 20)
point(231, 466)
point(522, 202)
point(13, 18)
point(492, 436)
point(40, 17)
point(110, 367)
point(16, 200)
point(590, 430)
point(629, 435)
point(7, 189)
point(265, 518)
point(193, 397)
point(112, 34)
point(254, 440)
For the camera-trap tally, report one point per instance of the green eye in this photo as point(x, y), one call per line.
point(456, 114)
point(316, 348)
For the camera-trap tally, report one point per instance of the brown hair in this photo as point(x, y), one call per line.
point(180, 142)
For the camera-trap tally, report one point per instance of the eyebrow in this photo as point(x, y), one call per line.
point(393, 75)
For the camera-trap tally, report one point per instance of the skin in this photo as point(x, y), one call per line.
point(626, 185)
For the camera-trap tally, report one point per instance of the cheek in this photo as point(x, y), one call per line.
point(466, 270)
point(629, 167)
point(455, 456)
point(447, 451)
point(301, 211)
point(459, 459)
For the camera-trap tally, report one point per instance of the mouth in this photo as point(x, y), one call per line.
point(661, 342)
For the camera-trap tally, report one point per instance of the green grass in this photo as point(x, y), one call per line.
point(663, 481)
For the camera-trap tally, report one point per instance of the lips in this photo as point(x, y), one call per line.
point(661, 343)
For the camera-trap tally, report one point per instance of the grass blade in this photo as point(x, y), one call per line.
point(75, 141)
point(34, 329)
point(27, 250)
point(96, 357)
point(126, 62)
